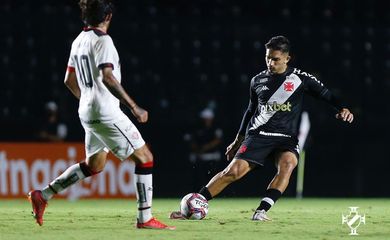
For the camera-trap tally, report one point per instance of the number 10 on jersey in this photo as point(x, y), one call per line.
point(84, 69)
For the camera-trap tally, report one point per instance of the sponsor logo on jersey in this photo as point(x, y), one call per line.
point(298, 71)
point(288, 86)
point(264, 88)
point(275, 107)
point(263, 80)
point(273, 134)
point(91, 121)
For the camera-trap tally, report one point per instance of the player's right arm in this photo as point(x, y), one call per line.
point(233, 147)
point(71, 82)
point(252, 106)
point(119, 92)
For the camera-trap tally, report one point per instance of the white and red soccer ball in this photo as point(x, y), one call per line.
point(194, 206)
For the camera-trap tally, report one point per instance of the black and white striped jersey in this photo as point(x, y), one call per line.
point(276, 100)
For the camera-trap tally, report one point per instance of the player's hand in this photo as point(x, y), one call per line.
point(140, 113)
point(345, 115)
point(232, 149)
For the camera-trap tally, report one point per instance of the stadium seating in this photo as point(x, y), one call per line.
point(178, 56)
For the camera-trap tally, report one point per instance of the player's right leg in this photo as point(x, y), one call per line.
point(233, 172)
point(95, 162)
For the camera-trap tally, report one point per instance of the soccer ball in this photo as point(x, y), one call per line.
point(194, 206)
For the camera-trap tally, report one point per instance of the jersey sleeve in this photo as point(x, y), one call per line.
point(317, 89)
point(105, 52)
point(253, 102)
point(71, 65)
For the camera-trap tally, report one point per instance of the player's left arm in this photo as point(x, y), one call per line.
point(345, 115)
point(105, 59)
point(318, 90)
point(119, 92)
point(71, 82)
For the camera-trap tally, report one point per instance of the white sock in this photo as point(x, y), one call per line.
point(71, 176)
point(144, 193)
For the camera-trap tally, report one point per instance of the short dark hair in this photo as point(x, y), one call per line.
point(280, 43)
point(94, 12)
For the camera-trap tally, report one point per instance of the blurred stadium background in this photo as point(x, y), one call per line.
point(180, 56)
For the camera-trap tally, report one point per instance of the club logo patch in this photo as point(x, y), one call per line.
point(242, 149)
point(135, 135)
point(288, 86)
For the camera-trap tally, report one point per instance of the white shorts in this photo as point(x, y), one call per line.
point(121, 138)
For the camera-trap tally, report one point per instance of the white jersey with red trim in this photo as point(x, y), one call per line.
point(91, 51)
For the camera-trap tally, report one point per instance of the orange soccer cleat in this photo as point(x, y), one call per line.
point(154, 224)
point(38, 204)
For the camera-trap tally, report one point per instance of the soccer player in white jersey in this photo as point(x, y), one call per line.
point(93, 76)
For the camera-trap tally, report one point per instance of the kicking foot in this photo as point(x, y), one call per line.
point(38, 205)
point(154, 224)
point(260, 215)
point(176, 215)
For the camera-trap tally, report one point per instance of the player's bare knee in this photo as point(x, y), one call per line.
point(142, 155)
point(146, 156)
point(287, 165)
point(288, 160)
point(230, 174)
point(291, 163)
point(96, 163)
point(145, 159)
point(96, 166)
point(149, 157)
point(90, 168)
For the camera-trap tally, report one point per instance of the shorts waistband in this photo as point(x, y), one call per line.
point(274, 134)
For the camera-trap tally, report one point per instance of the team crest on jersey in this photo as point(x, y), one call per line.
point(135, 135)
point(242, 149)
point(288, 86)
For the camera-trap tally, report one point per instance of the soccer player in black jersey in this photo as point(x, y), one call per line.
point(268, 130)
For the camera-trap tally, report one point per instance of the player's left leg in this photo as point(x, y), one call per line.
point(285, 163)
point(143, 159)
point(237, 169)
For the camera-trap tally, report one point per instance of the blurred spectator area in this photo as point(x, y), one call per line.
point(178, 55)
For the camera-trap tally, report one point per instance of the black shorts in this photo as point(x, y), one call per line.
point(257, 149)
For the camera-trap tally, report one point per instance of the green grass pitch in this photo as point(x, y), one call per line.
point(228, 218)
